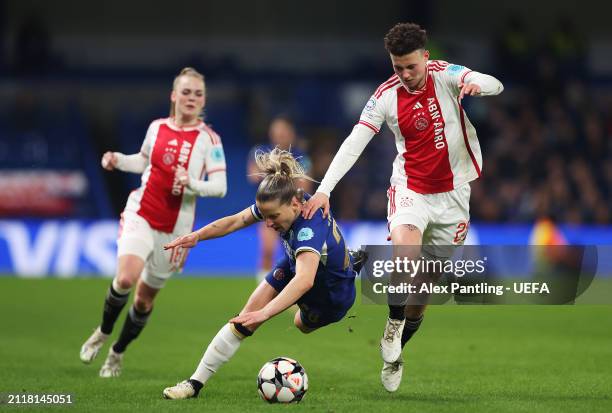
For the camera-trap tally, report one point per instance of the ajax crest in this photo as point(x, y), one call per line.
point(421, 123)
point(168, 158)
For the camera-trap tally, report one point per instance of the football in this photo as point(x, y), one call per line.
point(282, 380)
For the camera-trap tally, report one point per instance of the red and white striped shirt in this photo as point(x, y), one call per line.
point(167, 205)
point(437, 146)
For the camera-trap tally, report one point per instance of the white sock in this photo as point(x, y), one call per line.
point(219, 351)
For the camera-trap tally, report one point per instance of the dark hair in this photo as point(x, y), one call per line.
point(279, 169)
point(405, 38)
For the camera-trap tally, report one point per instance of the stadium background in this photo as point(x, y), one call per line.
point(78, 78)
point(76, 82)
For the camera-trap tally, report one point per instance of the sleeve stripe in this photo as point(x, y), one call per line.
point(437, 65)
point(215, 139)
point(380, 91)
point(385, 83)
point(212, 171)
point(466, 140)
point(465, 74)
point(369, 125)
point(297, 251)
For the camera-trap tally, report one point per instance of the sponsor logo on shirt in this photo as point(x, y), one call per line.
point(434, 112)
point(183, 158)
point(305, 234)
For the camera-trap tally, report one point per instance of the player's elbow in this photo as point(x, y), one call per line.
point(500, 87)
point(305, 283)
point(308, 284)
point(497, 86)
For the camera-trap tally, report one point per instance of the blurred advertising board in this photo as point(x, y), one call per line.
point(68, 248)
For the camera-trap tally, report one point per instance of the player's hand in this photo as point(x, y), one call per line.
point(252, 319)
point(109, 161)
point(186, 241)
point(317, 201)
point(182, 175)
point(469, 89)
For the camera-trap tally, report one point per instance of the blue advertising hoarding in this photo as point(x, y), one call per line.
point(68, 248)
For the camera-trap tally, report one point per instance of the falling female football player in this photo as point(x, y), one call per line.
point(317, 272)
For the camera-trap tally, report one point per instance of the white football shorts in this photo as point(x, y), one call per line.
point(136, 237)
point(442, 218)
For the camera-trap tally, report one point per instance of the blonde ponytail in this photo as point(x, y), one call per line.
point(280, 170)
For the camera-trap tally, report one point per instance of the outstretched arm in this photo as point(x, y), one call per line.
point(214, 186)
point(306, 266)
point(135, 163)
point(215, 229)
point(479, 84)
point(346, 157)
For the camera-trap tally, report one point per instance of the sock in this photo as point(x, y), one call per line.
point(113, 304)
point(219, 351)
point(134, 323)
point(410, 327)
point(197, 386)
point(396, 312)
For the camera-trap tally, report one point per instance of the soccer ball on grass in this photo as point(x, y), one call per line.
point(282, 380)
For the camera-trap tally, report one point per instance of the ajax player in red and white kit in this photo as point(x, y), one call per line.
point(438, 156)
point(177, 154)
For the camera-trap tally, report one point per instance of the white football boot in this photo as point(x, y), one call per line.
point(91, 347)
point(391, 341)
point(112, 364)
point(391, 374)
point(182, 390)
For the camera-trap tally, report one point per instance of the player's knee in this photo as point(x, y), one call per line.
point(297, 321)
point(124, 281)
point(414, 311)
point(143, 304)
point(407, 234)
point(303, 328)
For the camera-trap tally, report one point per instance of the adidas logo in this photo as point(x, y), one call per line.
point(173, 142)
point(417, 106)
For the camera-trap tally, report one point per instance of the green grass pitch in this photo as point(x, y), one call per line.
point(464, 358)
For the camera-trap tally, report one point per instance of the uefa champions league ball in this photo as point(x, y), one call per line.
point(282, 380)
